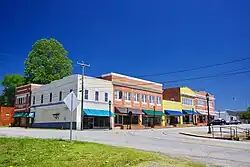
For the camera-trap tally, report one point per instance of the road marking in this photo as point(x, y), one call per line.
point(218, 144)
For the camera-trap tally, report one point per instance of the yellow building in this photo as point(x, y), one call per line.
point(187, 97)
point(173, 111)
point(178, 105)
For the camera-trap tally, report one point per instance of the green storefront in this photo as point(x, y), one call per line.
point(152, 118)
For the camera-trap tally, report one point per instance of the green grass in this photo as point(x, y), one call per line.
point(57, 153)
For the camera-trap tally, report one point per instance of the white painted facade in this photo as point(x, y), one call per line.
point(55, 111)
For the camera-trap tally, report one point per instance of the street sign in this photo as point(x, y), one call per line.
point(71, 102)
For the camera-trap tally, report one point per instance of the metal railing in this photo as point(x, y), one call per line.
point(230, 132)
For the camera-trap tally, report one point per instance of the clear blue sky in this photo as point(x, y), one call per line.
point(137, 37)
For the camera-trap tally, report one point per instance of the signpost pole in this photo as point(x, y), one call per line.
point(71, 102)
point(71, 116)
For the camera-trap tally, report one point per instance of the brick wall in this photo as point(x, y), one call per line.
point(6, 115)
point(172, 94)
point(136, 105)
point(156, 90)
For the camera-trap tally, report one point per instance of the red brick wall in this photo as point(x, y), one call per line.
point(202, 96)
point(172, 94)
point(132, 103)
point(6, 115)
point(25, 90)
point(132, 82)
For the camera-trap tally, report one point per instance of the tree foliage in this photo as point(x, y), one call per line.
point(245, 115)
point(46, 62)
point(10, 82)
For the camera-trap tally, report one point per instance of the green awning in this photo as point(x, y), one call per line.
point(18, 114)
point(152, 113)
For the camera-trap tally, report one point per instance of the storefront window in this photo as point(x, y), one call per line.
point(135, 119)
point(157, 120)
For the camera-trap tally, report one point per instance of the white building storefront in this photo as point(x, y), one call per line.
point(51, 112)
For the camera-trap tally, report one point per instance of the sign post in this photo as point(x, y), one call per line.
point(71, 102)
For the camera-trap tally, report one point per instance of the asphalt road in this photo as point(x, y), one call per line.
point(168, 141)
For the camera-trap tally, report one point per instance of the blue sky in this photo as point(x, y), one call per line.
point(137, 37)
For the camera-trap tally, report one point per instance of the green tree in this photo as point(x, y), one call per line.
point(9, 83)
point(47, 61)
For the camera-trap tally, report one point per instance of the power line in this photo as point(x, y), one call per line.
point(206, 77)
point(196, 68)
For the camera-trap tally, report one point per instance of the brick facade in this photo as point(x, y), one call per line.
point(172, 94)
point(134, 85)
point(23, 102)
point(6, 116)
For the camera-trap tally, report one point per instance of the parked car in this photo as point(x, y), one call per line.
point(218, 122)
point(233, 122)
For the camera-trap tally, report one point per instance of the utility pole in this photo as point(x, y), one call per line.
point(209, 125)
point(83, 65)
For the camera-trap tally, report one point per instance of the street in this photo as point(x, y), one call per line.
point(167, 141)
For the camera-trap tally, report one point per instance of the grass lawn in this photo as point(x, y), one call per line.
point(54, 153)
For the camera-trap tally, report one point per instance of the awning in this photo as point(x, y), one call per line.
point(99, 113)
point(189, 112)
point(18, 114)
point(127, 110)
point(213, 114)
point(31, 115)
point(172, 112)
point(205, 113)
point(201, 112)
point(154, 113)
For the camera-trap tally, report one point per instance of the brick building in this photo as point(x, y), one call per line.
point(137, 102)
point(201, 107)
point(6, 116)
point(22, 115)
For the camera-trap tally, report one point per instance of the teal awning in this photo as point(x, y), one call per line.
point(18, 114)
point(25, 115)
point(31, 115)
point(99, 113)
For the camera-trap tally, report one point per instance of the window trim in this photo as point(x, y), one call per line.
point(136, 97)
point(106, 99)
point(34, 100)
point(144, 95)
point(192, 101)
point(60, 96)
point(50, 97)
point(97, 99)
point(41, 98)
point(126, 93)
point(153, 97)
point(160, 101)
point(86, 90)
point(117, 93)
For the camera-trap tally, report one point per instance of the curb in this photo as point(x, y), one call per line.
point(207, 137)
point(194, 135)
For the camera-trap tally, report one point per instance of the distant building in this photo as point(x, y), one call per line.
point(22, 115)
point(137, 102)
point(51, 112)
point(6, 116)
point(229, 115)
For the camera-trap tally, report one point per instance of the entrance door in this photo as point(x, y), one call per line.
point(87, 123)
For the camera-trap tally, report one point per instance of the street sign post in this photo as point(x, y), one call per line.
point(71, 102)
